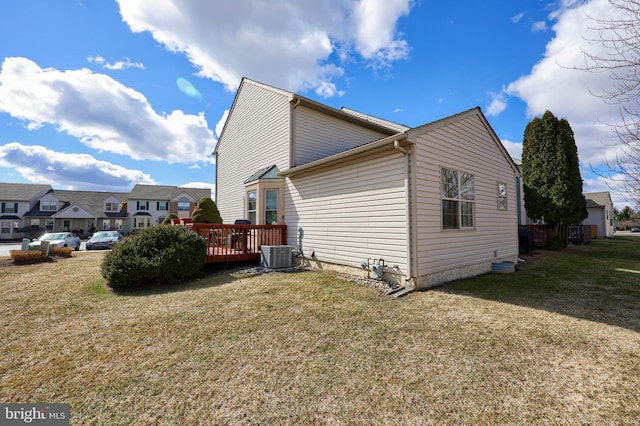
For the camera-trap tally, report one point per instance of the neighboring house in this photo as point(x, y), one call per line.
point(25, 205)
point(16, 199)
point(600, 209)
point(151, 204)
point(436, 202)
point(79, 211)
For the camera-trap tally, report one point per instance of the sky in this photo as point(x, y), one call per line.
point(101, 95)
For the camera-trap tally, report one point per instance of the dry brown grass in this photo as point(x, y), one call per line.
point(307, 348)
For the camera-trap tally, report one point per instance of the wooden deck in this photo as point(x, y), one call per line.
point(236, 243)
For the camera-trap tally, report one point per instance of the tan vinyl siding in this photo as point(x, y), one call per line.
point(256, 136)
point(351, 212)
point(319, 135)
point(465, 145)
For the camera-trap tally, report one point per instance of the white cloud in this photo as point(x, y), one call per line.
point(539, 26)
point(497, 105)
point(101, 112)
point(117, 65)
point(284, 43)
point(515, 19)
point(556, 85)
point(41, 165)
point(202, 185)
point(513, 148)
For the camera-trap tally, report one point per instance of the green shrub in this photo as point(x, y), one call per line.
point(157, 255)
point(206, 211)
point(167, 220)
point(555, 243)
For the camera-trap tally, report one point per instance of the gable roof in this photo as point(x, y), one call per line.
point(270, 172)
point(598, 199)
point(473, 112)
point(346, 114)
point(22, 191)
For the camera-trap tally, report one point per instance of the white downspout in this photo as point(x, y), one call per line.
point(407, 191)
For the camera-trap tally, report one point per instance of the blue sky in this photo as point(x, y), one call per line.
point(101, 95)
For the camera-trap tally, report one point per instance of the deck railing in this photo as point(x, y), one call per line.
point(229, 243)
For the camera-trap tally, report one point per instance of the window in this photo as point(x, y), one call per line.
point(105, 225)
point(49, 206)
point(184, 204)
point(35, 222)
point(142, 205)
point(458, 199)
point(5, 228)
point(142, 222)
point(251, 206)
point(9, 207)
point(162, 206)
point(271, 207)
point(49, 225)
point(502, 196)
point(111, 207)
point(118, 224)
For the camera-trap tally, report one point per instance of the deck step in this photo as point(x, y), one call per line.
point(403, 292)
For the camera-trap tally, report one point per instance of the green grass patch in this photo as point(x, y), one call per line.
point(557, 342)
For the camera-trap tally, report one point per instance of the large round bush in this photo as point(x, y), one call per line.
point(157, 255)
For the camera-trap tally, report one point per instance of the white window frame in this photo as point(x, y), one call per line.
point(457, 192)
point(49, 206)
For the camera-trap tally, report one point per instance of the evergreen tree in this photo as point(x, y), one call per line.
point(206, 211)
point(551, 174)
point(167, 220)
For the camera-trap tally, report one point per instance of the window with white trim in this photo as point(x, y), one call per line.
point(184, 204)
point(9, 207)
point(271, 207)
point(142, 205)
point(5, 227)
point(251, 206)
point(49, 206)
point(162, 206)
point(502, 196)
point(111, 207)
point(458, 199)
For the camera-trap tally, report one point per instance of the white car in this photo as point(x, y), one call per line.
point(58, 239)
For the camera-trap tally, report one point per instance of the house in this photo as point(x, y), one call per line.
point(431, 203)
point(16, 199)
point(150, 204)
point(48, 209)
point(600, 209)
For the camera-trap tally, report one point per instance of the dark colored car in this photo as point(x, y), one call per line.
point(103, 240)
point(635, 229)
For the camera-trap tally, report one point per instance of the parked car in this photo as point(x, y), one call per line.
point(104, 240)
point(58, 239)
point(635, 229)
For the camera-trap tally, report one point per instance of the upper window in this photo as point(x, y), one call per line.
point(142, 205)
point(271, 207)
point(9, 207)
point(458, 199)
point(162, 205)
point(111, 207)
point(251, 206)
point(50, 206)
point(184, 204)
point(502, 196)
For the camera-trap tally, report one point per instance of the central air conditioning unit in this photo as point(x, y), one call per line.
point(275, 257)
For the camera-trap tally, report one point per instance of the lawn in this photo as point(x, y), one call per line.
point(557, 342)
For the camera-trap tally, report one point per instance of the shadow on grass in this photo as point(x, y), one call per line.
point(212, 275)
point(597, 282)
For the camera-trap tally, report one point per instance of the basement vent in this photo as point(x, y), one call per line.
point(276, 257)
